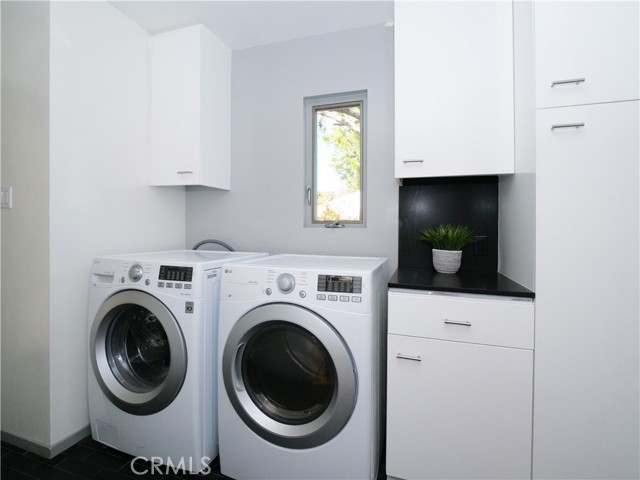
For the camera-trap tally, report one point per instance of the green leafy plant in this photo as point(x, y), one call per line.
point(447, 237)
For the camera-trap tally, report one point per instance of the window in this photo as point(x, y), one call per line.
point(335, 159)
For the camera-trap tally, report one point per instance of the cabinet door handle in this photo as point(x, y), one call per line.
point(413, 161)
point(415, 358)
point(567, 125)
point(577, 81)
point(185, 172)
point(456, 322)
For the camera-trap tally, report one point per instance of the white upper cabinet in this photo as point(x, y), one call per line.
point(190, 109)
point(586, 52)
point(453, 88)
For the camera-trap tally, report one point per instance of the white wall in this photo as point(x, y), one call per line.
point(75, 94)
point(263, 211)
point(100, 198)
point(25, 228)
point(517, 206)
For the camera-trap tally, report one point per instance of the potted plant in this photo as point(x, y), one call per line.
point(447, 242)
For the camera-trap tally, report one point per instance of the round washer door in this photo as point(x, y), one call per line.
point(138, 352)
point(289, 375)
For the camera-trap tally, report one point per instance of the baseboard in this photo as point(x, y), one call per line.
point(43, 450)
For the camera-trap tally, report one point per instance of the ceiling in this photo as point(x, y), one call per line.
point(249, 23)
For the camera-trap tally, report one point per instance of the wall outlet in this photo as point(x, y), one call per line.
point(7, 197)
point(481, 246)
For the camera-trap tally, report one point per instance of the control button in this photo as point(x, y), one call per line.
point(187, 286)
point(344, 298)
point(169, 285)
point(268, 291)
point(121, 279)
point(356, 299)
point(333, 298)
point(286, 283)
point(321, 296)
point(147, 282)
point(135, 273)
point(178, 285)
point(303, 294)
point(160, 284)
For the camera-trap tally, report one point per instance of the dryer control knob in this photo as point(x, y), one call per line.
point(286, 283)
point(135, 273)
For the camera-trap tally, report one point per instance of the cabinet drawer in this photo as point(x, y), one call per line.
point(464, 318)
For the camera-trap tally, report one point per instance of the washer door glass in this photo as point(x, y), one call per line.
point(138, 353)
point(289, 375)
point(138, 349)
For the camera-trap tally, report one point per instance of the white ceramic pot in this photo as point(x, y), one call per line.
point(446, 261)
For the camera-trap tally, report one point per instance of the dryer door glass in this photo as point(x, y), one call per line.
point(288, 373)
point(138, 353)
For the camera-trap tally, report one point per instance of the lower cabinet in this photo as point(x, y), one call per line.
point(457, 408)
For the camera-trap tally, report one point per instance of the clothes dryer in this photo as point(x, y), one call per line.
point(152, 348)
point(300, 347)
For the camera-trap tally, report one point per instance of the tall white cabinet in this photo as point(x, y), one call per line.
point(587, 375)
point(190, 109)
point(454, 111)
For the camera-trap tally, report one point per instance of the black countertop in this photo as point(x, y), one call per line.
point(485, 283)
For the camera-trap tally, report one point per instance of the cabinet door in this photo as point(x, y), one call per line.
point(595, 43)
point(175, 108)
point(190, 109)
point(587, 292)
point(453, 88)
point(462, 411)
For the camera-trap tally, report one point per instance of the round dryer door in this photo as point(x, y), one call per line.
point(138, 353)
point(289, 375)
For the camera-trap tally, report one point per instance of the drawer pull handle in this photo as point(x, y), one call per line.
point(412, 161)
point(567, 125)
point(409, 357)
point(456, 322)
point(185, 172)
point(577, 81)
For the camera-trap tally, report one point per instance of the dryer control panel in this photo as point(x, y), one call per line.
point(338, 290)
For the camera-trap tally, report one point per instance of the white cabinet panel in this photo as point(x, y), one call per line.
point(463, 411)
point(587, 292)
point(190, 109)
point(596, 43)
point(462, 318)
point(457, 408)
point(453, 88)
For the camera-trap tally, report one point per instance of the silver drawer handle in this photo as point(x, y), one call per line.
point(567, 125)
point(577, 81)
point(456, 322)
point(412, 161)
point(185, 172)
point(409, 357)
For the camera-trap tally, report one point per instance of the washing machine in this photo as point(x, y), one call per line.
point(152, 348)
point(299, 357)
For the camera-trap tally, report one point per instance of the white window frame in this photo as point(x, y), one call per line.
point(310, 104)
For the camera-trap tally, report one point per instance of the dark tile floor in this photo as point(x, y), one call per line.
point(86, 460)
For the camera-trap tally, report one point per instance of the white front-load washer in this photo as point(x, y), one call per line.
point(152, 348)
point(299, 357)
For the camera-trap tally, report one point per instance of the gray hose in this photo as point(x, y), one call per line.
point(218, 242)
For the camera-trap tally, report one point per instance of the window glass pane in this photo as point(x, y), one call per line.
point(338, 163)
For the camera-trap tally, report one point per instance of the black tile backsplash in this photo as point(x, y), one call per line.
point(471, 201)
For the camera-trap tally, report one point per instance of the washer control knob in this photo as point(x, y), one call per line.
point(268, 291)
point(286, 283)
point(135, 273)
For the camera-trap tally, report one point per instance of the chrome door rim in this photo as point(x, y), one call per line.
point(158, 398)
point(338, 412)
